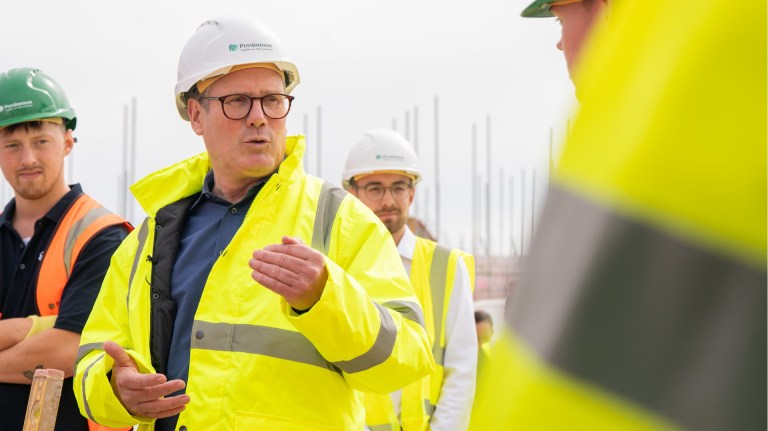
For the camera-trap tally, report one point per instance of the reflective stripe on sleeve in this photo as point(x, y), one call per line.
point(85, 377)
point(381, 349)
point(409, 310)
point(85, 349)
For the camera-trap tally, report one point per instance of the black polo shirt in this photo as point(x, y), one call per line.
point(19, 266)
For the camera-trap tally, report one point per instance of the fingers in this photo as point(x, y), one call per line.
point(143, 394)
point(291, 240)
point(272, 261)
point(162, 408)
point(118, 354)
point(292, 270)
point(125, 370)
point(272, 283)
point(296, 248)
point(149, 401)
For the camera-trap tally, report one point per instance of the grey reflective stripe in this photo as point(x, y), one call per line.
point(85, 349)
point(381, 349)
point(327, 206)
point(409, 310)
point(259, 340)
point(142, 237)
point(85, 377)
point(382, 427)
point(438, 274)
point(429, 408)
point(77, 229)
point(645, 314)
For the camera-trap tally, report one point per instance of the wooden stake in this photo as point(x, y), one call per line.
point(43, 404)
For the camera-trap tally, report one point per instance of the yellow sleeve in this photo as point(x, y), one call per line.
point(368, 322)
point(108, 322)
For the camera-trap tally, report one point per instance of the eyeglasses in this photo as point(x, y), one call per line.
point(375, 192)
point(238, 106)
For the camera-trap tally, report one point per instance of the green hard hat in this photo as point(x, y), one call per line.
point(539, 9)
point(28, 94)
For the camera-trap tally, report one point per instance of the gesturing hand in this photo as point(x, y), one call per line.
point(142, 394)
point(292, 270)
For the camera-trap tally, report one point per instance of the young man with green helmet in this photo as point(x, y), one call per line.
point(55, 245)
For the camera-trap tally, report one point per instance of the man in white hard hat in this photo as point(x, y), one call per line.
point(382, 172)
point(253, 296)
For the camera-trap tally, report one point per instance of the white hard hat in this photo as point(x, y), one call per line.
point(222, 43)
point(381, 150)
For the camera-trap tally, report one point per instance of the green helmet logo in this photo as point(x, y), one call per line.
point(28, 94)
point(232, 47)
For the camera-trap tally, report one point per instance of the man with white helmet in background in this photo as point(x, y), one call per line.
point(195, 337)
point(382, 171)
point(55, 244)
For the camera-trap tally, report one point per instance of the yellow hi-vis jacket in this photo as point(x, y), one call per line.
point(642, 305)
point(254, 363)
point(433, 270)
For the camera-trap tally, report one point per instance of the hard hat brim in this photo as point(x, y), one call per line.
point(538, 9)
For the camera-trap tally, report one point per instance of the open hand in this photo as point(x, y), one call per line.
point(143, 394)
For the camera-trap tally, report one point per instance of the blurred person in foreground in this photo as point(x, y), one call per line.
point(382, 171)
point(643, 302)
point(253, 296)
point(55, 245)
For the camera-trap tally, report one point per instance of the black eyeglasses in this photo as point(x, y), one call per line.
point(238, 106)
point(375, 191)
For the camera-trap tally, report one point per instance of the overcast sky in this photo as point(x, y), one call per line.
point(366, 63)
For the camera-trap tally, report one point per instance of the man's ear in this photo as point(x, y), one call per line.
point(69, 142)
point(194, 110)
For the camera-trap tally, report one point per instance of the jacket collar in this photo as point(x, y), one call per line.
point(186, 178)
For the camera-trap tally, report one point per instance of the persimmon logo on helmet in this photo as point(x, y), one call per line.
point(27, 94)
point(16, 105)
point(220, 45)
point(254, 47)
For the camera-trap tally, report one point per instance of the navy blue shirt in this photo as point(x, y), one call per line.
point(19, 267)
point(211, 224)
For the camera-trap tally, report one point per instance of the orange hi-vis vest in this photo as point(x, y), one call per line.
point(83, 220)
